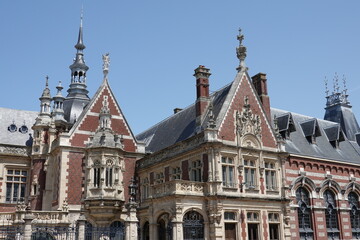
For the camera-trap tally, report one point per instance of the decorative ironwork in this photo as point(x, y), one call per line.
point(115, 231)
point(193, 226)
point(54, 233)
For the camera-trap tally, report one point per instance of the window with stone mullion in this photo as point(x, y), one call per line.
point(331, 215)
point(354, 214)
point(304, 214)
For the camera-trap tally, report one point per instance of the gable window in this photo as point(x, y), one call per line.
point(353, 199)
point(270, 176)
point(195, 171)
point(332, 225)
point(274, 226)
point(250, 174)
point(176, 173)
point(15, 185)
point(304, 213)
point(228, 172)
point(253, 225)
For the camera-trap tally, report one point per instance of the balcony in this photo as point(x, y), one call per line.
point(177, 187)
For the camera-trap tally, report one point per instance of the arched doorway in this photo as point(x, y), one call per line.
point(146, 231)
point(193, 226)
point(164, 227)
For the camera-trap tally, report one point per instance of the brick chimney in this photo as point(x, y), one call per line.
point(260, 84)
point(202, 75)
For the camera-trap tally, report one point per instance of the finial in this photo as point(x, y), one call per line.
point(106, 63)
point(336, 83)
point(326, 87)
point(47, 81)
point(80, 45)
point(241, 53)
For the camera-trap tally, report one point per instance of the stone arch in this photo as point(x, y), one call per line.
point(249, 140)
point(352, 187)
point(331, 185)
point(305, 182)
point(193, 225)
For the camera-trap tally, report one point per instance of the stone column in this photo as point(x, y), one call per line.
point(177, 229)
point(27, 226)
point(131, 223)
point(81, 222)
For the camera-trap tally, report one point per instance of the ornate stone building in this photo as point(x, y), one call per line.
point(226, 167)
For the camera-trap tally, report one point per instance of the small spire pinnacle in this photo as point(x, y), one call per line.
point(326, 87)
point(47, 81)
point(241, 52)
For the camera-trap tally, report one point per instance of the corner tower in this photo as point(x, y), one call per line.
point(338, 109)
point(77, 97)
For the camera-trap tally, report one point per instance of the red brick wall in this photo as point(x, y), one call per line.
point(337, 170)
point(75, 178)
point(227, 131)
point(130, 170)
point(38, 170)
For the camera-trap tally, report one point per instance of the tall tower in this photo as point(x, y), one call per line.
point(77, 97)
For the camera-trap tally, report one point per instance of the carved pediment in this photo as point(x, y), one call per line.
point(247, 122)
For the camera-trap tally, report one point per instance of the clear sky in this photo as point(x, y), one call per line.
point(155, 45)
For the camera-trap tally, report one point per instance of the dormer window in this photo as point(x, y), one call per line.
point(334, 135)
point(286, 125)
point(311, 130)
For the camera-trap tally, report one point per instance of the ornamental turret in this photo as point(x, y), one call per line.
point(45, 103)
point(77, 97)
point(58, 107)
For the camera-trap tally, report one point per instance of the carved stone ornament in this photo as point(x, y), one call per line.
point(247, 122)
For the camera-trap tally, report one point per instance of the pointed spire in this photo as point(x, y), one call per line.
point(241, 53)
point(45, 99)
point(80, 45)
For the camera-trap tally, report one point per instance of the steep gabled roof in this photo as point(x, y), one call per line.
point(181, 125)
point(347, 151)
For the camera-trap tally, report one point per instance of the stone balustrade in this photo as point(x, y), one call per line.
point(180, 187)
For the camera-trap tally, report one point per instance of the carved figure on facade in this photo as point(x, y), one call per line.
point(247, 122)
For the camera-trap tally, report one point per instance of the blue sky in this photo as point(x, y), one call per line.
point(155, 45)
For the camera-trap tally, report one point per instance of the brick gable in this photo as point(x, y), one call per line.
point(227, 128)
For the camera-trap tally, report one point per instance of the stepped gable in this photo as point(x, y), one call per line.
point(181, 125)
point(242, 89)
point(88, 121)
point(323, 145)
point(16, 126)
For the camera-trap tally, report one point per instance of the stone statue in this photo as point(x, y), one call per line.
point(106, 63)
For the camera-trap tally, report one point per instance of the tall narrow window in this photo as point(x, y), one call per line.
point(304, 214)
point(145, 188)
point(253, 225)
point(15, 185)
point(109, 173)
point(195, 171)
point(332, 225)
point(250, 174)
point(228, 172)
point(230, 225)
point(353, 199)
point(96, 177)
point(274, 226)
point(270, 176)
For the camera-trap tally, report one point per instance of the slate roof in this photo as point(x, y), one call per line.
point(348, 151)
point(179, 126)
point(19, 118)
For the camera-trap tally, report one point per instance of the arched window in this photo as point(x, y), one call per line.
point(304, 214)
point(193, 226)
point(97, 174)
point(354, 214)
point(332, 225)
point(146, 232)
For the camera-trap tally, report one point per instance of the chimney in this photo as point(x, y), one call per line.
point(176, 110)
point(202, 75)
point(260, 84)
